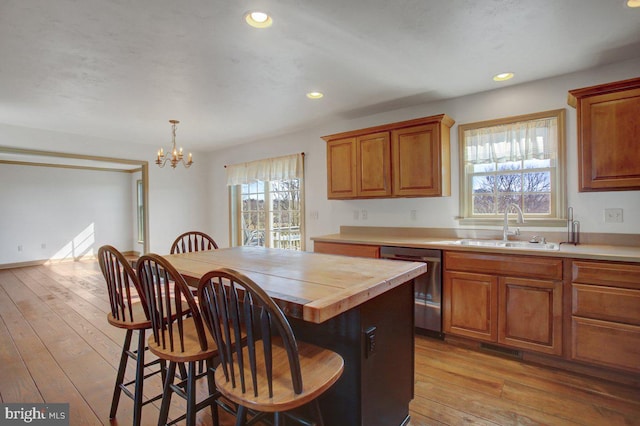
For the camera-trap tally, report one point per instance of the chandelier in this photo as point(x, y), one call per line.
point(175, 156)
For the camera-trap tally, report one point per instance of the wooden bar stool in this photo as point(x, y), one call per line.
point(179, 336)
point(129, 312)
point(268, 371)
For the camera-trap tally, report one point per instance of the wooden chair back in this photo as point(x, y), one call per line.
point(246, 324)
point(193, 241)
point(169, 300)
point(124, 289)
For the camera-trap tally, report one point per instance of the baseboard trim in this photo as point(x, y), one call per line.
point(130, 254)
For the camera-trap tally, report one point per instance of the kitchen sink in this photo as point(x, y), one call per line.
point(526, 245)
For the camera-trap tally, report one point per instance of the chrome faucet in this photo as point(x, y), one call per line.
point(505, 228)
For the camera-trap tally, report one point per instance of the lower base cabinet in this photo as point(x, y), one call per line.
point(511, 300)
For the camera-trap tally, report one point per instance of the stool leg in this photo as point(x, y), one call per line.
point(316, 409)
point(241, 415)
point(211, 381)
point(137, 400)
point(278, 419)
point(191, 394)
point(117, 390)
point(166, 394)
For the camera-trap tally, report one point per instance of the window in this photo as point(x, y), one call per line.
point(140, 210)
point(267, 207)
point(513, 160)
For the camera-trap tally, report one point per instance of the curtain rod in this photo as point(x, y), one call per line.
point(302, 153)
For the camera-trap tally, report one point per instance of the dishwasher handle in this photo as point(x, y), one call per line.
point(411, 258)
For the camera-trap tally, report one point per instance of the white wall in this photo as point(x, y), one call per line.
point(177, 198)
point(59, 213)
point(511, 100)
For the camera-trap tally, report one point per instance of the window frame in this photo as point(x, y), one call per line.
point(235, 216)
point(557, 217)
point(140, 209)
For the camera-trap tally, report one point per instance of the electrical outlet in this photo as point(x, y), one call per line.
point(314, 215)
point(413, 214)
point(364, 214)
point(613, 215)
point(43, 245)
point(356, 214)
point(20, 248)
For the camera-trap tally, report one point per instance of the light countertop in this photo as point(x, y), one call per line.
point(387, 238)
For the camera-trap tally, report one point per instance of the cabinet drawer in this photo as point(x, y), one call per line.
point(609, 274)
point(521, 266)
point(606, 343)
point(606, 303)
point(358, 250)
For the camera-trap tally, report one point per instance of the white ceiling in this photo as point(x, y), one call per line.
point(120, 69)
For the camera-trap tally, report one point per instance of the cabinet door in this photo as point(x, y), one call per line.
point(341, 168)
point(530, 314)
point(471, 305)
point(373, 177)
point(417, 161)
point(608, 133)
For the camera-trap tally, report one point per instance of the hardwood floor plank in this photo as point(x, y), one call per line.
point(568, 407)
point(461, 373)
point(537, 376)
point(489, 409)
point(425, 412)
point(50, 378)
point(16, 384)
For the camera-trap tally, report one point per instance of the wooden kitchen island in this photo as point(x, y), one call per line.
point(361, 308)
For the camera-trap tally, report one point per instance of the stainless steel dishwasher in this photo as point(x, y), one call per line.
point(427, 287)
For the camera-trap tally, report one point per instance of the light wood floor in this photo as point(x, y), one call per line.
point(56, 346)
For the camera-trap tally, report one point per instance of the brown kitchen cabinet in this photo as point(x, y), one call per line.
point(608, 135)
point(345, 249)
point(341, 168)
point(359, 166)
point(404, 159)
point(419, 155)
point(506, 299)
point(373, 171)
point(605, 314)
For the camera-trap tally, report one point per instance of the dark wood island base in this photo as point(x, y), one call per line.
point(377, 383)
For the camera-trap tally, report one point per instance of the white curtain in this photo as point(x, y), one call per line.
point(525, 140)
point(269, 169)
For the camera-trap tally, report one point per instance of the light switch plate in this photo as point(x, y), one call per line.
point(613, 215)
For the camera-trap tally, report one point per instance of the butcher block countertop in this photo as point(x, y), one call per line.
point(439, 239)
point(310, 286)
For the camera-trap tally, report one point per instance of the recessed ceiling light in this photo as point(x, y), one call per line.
point(503, 76)
point(633, 3)
point(258, 19)
point(315, 95)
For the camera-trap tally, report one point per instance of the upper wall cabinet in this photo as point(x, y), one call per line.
point(608, 135)
point(404, 159)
